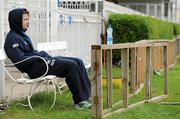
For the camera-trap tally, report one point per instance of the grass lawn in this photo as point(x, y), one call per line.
point(157, 111)
point(63, 108)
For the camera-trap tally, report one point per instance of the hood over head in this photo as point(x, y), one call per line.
point(15, 19)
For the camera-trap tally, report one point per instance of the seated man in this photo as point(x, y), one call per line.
point(18, 47)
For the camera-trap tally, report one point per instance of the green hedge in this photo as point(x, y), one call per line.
point(132, 28)
point(127, 28)
point(176, 29)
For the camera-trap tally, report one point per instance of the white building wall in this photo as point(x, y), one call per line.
point(114, 8)
point(155, 8)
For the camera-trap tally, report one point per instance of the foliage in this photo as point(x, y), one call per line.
point(132, 28)
point(176, 29)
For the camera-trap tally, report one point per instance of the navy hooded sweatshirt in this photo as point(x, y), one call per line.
point(18, 47)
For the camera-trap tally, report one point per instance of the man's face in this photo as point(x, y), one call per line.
point(25, 21)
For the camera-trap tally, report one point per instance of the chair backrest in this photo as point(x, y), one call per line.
point(3, 55)
point(61, 45)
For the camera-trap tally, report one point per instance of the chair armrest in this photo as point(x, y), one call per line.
point(47, 67)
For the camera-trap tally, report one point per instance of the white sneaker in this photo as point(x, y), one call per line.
point(83, 105)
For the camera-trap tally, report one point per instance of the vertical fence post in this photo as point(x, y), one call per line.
point(165, 70)
point(133, 70)
point(2, 76)
point(109, 78)
point(148, 73)
point(96, 82)
point(177, 46)
point(125, 75)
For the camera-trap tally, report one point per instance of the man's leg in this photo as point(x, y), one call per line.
point(82, 72)
point(70, 70)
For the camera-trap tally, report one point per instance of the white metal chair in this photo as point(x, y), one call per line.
point(35, 83)
point(57, 82)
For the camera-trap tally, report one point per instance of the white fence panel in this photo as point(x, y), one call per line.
point(79, 28)
point(2, 77)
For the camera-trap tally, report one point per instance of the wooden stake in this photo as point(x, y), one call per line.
point(109, 78)
point(133, 70)
point(125, 75)
point(165, 70)
point(148, 73)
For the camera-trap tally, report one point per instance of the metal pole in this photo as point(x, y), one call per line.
point(169, 11)
point(47, 21)
point(2, 77)
point(176, 10)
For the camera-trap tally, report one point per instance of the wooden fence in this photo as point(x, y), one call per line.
point(146, 56)
point(157, 57)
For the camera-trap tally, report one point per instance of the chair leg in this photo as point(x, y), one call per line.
point(30, 95)
point(54, 87)
point(60, 85)
point(29, 102)
point(31, 92)
point(32, 89)
point(68, 94)
point(11, 95)
point(59, 88)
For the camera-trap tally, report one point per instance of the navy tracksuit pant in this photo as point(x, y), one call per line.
point(76, 76)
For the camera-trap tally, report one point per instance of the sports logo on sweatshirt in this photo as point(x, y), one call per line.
point(15, 45)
